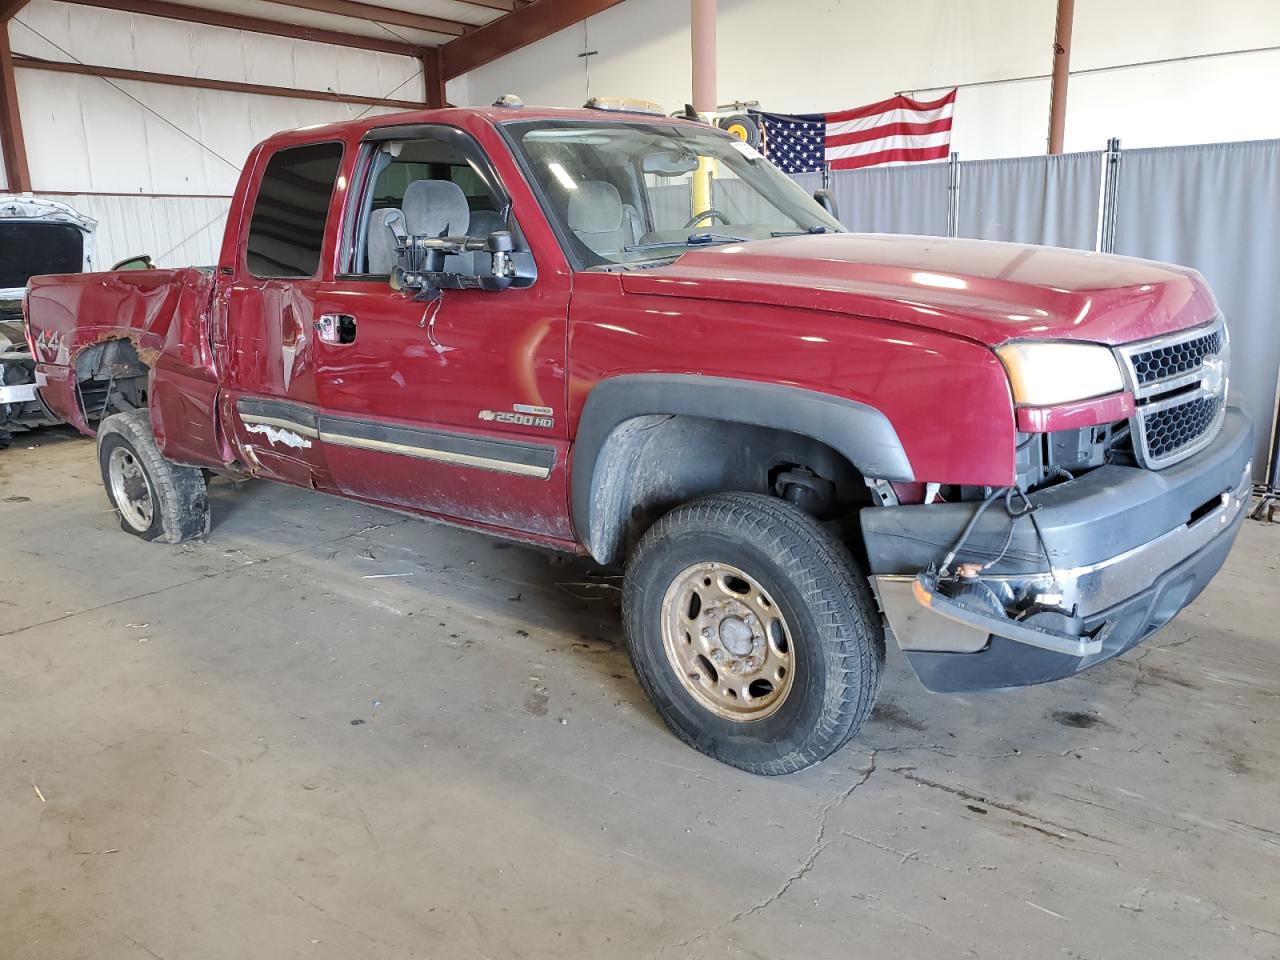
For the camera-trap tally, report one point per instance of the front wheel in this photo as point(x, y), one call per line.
point(753, 632)
point(155, 499)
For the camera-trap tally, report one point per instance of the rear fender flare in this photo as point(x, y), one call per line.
point(859, 432)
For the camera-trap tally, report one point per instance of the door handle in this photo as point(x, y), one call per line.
point(336, 328)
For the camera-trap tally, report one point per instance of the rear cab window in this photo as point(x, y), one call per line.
point(291, 210)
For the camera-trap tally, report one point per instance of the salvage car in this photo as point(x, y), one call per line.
point(36, 236)
point(633, 337)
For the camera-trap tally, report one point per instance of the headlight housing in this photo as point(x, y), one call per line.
point(1049, 373)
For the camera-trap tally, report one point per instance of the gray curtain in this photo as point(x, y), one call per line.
point(1217, 208)
point(907, 199)
point(742, 204)
point(1046, 200)
point(670, 204)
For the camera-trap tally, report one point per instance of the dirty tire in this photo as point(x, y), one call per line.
point(834, 626)
point(178, 496)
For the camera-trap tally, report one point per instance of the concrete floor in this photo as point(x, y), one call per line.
point(248, 748)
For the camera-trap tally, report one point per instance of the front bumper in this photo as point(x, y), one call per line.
point(1130, 547)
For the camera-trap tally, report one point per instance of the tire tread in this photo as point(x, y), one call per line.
point(181, 492)
point(838, 595)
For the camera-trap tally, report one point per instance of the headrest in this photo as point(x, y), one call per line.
point(382, 240)
point(436, 207)
point(595, 207)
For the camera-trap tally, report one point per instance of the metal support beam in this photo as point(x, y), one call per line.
point(11, 140)
point(702, 43)
point(517, 29)
point(432, 82)
point(389, 15)
point(235, 21)
point(1061, 74)
point(227, 86)
point(506, 6)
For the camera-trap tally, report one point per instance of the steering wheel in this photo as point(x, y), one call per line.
point(711, 213)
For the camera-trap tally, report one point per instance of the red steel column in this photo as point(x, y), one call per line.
point(15, 146)
point(432, 82)
point(702, 36)
point(1061, 73)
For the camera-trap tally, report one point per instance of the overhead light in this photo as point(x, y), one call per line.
point(561, 174)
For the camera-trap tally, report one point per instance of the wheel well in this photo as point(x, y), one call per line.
point(651, 464)
point(111, 377)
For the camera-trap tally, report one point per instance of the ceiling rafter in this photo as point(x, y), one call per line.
point(225, 86)
point(506, 6)
point(237, 21)
point(358, 10)
point(517, 29)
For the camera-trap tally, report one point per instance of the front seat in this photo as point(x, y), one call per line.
point(431, 208)
point(600, 219)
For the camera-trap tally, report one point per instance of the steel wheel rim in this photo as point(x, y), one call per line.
point(727, 641)
point(130, 488)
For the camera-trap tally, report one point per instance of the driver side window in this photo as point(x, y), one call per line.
point(426, 186)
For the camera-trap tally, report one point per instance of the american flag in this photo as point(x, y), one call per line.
point(897, 130)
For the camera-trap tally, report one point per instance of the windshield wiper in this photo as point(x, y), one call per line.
point(693, 240)
point(801, 233)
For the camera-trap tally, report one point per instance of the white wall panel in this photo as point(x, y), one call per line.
point(817, 55)
point(114, 39)
point(1196, 101)
point(86, 134)
point(175, 231)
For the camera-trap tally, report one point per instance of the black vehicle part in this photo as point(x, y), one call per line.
point(620, 410)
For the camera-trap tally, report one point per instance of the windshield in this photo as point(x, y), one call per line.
point(633, 192)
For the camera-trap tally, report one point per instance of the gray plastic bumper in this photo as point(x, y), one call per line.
point(1130, 547)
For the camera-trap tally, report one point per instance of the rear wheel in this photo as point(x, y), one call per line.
point(155, 499)
point(753, 632)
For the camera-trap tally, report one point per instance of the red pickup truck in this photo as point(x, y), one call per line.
point(630, 336)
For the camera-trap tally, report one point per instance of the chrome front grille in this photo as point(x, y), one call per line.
point(1179, 385)
point(1160, 363)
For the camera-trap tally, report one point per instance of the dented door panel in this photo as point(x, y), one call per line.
point(270, 403)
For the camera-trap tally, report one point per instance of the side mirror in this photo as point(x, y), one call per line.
point(421, 261)
point(140, 262)
point(827, 199)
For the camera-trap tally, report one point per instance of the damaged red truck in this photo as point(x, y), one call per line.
point(631, 337)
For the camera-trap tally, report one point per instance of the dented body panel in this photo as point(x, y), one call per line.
point(36, 236)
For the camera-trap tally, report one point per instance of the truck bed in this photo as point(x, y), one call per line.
point(69, 314)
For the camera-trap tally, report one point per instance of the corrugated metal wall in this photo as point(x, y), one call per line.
point(175, 231)
point(153, 164)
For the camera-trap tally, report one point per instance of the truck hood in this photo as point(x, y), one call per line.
point(40, 236)
point(982, 290)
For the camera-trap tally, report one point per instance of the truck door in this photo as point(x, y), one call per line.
point(453, 407)
point(270, 398)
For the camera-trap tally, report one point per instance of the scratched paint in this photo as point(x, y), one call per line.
point(275, 435)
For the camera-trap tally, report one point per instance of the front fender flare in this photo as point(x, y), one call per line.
point(860, 433)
